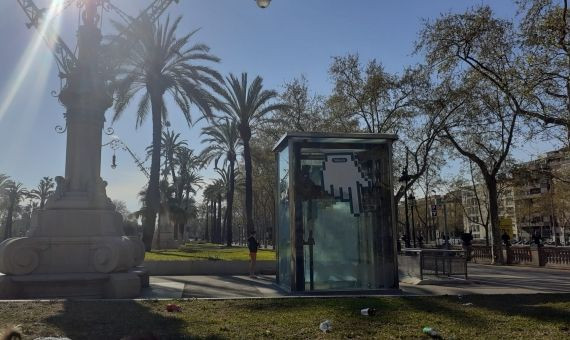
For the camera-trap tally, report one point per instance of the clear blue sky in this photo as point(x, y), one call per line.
point(289, 38)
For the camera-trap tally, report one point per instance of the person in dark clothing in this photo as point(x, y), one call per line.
point(537, 239)
point(506, 238)
point(252, 244)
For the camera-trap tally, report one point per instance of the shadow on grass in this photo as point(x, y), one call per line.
point(120, 320)
point(540, 307)
point(450, 308)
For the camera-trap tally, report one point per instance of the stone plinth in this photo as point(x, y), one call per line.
point(78, 285)
point(73, 252)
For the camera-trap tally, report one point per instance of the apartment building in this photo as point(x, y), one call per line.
point(542, 197)
point(476, 217)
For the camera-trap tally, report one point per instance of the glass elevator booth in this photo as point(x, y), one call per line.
point(335, 212)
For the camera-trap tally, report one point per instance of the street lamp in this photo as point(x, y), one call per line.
point(405, 178)
point(263, 3)
point(412, 200)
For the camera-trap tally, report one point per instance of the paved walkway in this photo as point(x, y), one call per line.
point(484, 279)
point(199, 286)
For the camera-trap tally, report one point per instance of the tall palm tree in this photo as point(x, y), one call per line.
point(157, 64)
point(14, 192)
point(210, 200)
point(43, 190)
point(223, 137)
point(171, 147)
point(247, 104)
point(186, 184)
point(223, 183)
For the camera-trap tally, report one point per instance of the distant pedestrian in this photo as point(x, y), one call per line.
point(537, 239)
point(421, 241)
point(506, 238)
point(252, 244)
point(466, 239)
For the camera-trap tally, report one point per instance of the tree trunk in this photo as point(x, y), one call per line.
point(245, 133)
point(206, 234)
point(153, 192)
point(214, 219)
point(491, 183)
point(149, 221)
point(8, 226)
point(175, 227)
point(219, 222)
point(230, 204)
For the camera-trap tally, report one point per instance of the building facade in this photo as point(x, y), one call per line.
point(476, 218)
point(542, 197)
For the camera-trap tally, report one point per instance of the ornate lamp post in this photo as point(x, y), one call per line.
point(78, 239)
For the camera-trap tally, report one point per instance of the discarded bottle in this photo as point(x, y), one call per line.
point(326, 326)
point(368, 311)
point(431, 332)
point(173, 308)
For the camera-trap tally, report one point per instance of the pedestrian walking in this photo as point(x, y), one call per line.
point(252, 244)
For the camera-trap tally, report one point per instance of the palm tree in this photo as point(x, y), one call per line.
point(160, 63)
point(4, 179)
point(171, 147)
point(223, 183)
point(188, 181)
point(223, 137)
point(247, 105)
point(14, 192)
point(210, 201)
point(43, 190)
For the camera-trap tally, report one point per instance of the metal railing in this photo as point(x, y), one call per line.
point(436, 263)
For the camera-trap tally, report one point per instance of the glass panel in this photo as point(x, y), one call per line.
point(283, 227)
point(343, 225)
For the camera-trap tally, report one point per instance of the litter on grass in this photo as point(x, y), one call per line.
point(326, 326)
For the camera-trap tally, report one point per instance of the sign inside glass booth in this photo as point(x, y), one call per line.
point(335, 212)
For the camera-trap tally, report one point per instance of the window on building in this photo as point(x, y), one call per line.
point(534, 191)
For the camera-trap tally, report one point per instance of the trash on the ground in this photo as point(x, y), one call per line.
point(173, 308)
point(431, 332)
point(326, 326)
point(368, 311)
point(468, 304)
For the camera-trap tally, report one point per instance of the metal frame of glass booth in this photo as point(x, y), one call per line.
point(335, 215)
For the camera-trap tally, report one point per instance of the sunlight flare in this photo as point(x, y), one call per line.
point(31, 58)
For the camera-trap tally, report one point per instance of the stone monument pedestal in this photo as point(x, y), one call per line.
point(72, 253)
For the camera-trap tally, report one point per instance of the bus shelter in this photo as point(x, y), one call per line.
point(335, 212)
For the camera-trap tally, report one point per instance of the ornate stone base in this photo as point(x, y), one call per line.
point(57, 255)
point(72, 253)
point(80, 285)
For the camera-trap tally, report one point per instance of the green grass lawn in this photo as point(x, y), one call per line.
point(195, 251)
point(489, 317)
